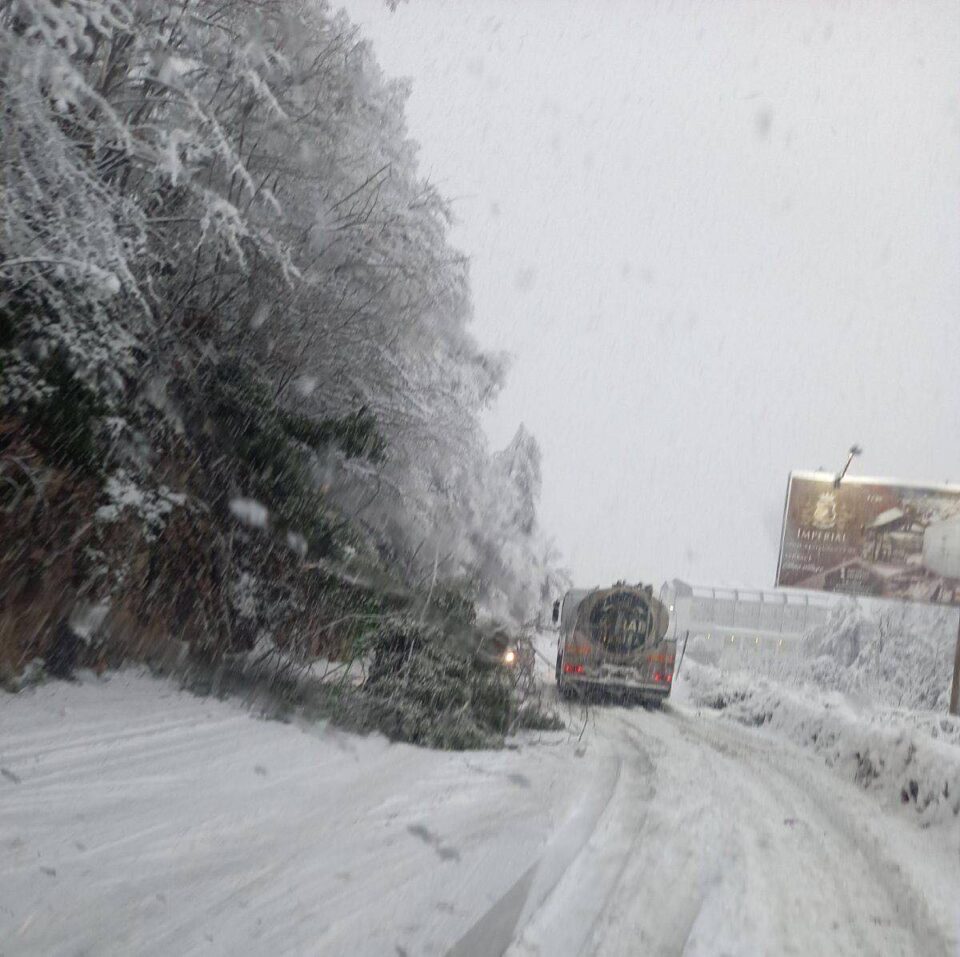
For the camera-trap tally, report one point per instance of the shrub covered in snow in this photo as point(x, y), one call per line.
point(152, 507)
point(896, 655)
point(910, 760)
point(423, 691)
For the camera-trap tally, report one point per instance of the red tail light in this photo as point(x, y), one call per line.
point(657, 676)
point(573, 669)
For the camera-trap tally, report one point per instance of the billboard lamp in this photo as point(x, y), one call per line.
point(855, 450)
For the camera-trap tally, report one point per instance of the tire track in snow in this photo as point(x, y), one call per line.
point(793, 786)
point(493, 932)
point(733, 849)
point(567, 917)
point(669, 877)
point(635, 835)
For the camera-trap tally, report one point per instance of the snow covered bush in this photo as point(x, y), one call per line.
point(424, 692)
point(894, 655)
point(151, 506)
point(910, 760)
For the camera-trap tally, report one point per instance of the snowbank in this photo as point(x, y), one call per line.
point(908, 758)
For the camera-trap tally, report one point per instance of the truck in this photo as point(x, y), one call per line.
point(614, 640)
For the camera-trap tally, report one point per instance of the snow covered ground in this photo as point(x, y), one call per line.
point(135, 818)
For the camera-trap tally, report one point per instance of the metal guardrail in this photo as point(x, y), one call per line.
point(732, 613)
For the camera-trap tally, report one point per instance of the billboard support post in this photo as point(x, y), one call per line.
point(955, 689)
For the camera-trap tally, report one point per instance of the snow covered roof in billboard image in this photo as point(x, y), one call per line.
point(888, 517)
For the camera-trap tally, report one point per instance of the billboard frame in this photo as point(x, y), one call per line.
point(817, 475)
point(833, 481)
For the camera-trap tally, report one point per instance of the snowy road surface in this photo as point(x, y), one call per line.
point(138, 819)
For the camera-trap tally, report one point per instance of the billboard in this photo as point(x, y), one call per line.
point(871, 537)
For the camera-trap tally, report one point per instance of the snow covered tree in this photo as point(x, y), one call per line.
point(223, 278)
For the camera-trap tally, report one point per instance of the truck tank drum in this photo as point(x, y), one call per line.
point(579, 604)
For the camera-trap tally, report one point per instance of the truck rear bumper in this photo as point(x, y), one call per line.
point(647, 689)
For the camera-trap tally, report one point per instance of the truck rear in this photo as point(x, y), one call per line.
point(614, 640)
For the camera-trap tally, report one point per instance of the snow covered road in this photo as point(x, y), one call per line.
point(747, 847)
point(138, 819)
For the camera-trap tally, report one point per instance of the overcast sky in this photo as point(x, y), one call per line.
point(720, 240)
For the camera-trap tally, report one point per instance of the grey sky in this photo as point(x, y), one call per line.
point(721, 241)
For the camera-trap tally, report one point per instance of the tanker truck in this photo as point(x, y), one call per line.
point(614, 639)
